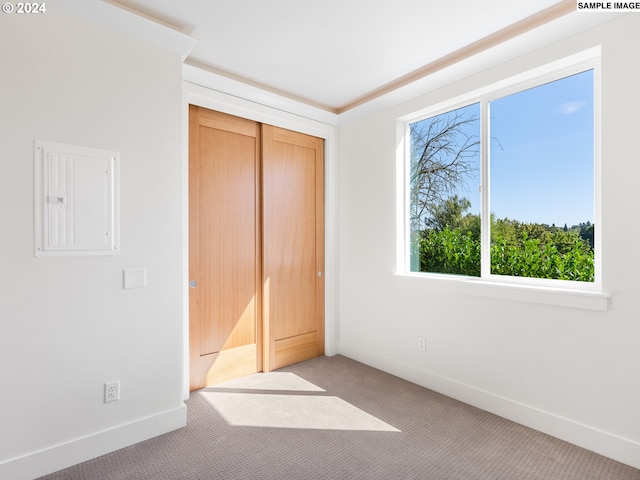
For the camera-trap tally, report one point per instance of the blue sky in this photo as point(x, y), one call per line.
point(541, 159)
point(544, 173)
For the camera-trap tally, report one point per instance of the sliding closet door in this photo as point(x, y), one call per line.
point(293, 247)
point(225, 247)
point(256, 247)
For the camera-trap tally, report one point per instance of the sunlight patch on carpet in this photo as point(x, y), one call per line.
point(272, 381)
point(292, 411)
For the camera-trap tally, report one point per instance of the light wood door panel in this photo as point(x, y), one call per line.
point(227, 228)
point(293, 246)
point(224, 243)
point(256, 247)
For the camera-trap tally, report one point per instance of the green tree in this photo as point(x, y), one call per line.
point(450, 251)
point(527, 250)
point(448, 213)
point(587, 233)
point(517, 249)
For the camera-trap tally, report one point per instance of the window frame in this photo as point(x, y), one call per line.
point(588, 60)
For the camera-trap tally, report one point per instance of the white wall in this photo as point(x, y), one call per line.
point(570, 372)
point(66, 324)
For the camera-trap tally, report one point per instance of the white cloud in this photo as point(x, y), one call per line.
point(568, 108)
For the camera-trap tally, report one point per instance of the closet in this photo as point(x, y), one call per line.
point(256, 247)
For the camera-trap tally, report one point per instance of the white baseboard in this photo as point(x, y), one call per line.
point(82, 449)
point(604, 443)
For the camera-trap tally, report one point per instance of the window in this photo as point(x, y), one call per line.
point(502, 187)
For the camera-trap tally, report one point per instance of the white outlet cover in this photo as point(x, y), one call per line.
point(135, 277)
point(112, 391)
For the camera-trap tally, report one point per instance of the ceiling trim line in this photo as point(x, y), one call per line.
point(262, 86)
point(111, 15)
point(146, 15)
point(545, 16)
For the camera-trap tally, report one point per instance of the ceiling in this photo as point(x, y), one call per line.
point(337, 54)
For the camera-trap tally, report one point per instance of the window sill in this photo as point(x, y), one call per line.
point(587, 300)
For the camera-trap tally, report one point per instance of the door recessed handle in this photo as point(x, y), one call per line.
point(193, 284)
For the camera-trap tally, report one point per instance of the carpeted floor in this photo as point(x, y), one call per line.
point(334, 418)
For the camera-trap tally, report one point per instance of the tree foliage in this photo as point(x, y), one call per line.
point(517, 249)
point(559, 255)
point(450, 251)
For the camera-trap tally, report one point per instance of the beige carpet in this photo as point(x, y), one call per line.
point(334, 418)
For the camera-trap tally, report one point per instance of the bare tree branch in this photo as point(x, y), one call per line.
point(444, 157)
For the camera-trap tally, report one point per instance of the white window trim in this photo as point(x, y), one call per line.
point(588, 295)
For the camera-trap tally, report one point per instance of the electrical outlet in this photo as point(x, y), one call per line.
point(422, 344)
point(112, 391)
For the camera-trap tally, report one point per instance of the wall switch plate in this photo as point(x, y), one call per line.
point(135, 277)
